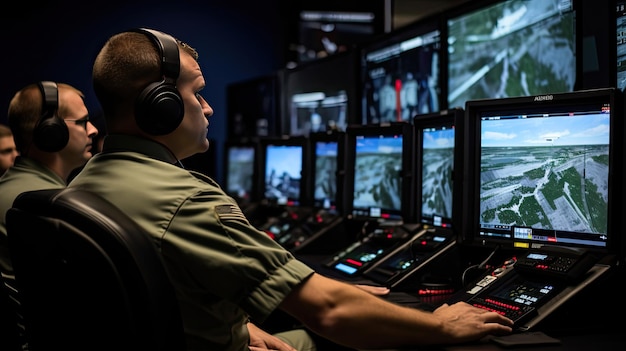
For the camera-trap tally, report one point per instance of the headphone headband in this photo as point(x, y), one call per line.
point(168, 48)
point(50, 133)
point(159, 108)
point(50, 96)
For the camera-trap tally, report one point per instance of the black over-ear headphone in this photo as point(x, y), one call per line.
point(51, 133)
point(159, 107)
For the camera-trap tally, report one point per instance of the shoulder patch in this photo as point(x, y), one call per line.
point(229, 213)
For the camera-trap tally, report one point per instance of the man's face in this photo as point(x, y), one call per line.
point(81, 130)
point(8, 153)
point(191, 135)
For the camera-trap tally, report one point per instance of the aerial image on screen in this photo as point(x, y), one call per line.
point(621, 44)
point(512, 48)
point(325, 187)
point(437, 167)
point(240, 171)
point(283, 172)
point(377, 181)
point(546, 176)
point(402, 79)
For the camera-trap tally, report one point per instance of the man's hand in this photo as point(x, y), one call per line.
point(262, 341)
point(464, 322)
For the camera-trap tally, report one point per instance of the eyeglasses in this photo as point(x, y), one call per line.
point(81, 122)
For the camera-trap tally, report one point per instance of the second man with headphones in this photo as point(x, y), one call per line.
point(52, 132)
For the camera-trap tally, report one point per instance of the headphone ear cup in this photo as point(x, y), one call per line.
point(51, 134)
point(159, 108)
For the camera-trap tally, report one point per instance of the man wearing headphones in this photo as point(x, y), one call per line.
point(225, 271)
point(53, 134)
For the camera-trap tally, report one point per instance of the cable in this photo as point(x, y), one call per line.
point(482, 265)
point(465, 272)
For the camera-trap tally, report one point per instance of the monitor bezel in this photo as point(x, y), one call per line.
point(331, 136)
point(245, 143)
point(264, 143)
point(550, 102)
point(406, 212)
point(455, 118)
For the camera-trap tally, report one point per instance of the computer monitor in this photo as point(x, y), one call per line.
point(379, 171)
point(438, 194)
point(327, 158)
point(282, 163)
point(544, 170)
point(401, 73)
point(241, 169)
point(321, 95)
point(439, 165)
point(500, 49)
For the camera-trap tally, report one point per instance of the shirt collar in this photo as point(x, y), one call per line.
point(24, 164)
point(148, 147)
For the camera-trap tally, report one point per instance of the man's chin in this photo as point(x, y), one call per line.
point(204, 147)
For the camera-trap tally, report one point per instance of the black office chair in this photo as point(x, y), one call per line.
point(88, 277)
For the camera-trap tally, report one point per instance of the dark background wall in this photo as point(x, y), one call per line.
point(236, 40)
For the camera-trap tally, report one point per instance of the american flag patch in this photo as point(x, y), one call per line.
point(230, 213)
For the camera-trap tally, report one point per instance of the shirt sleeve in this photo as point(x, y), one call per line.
point(213, 246)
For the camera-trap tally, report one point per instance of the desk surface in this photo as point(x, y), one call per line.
point(579, 341)
point(604, 341)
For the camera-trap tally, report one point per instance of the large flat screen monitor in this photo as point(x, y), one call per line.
point(544, 170)
point(439, 165)
point(499, 49)
point(321, 95)
point(283, 170)
point(379, 171)
point(401, 73)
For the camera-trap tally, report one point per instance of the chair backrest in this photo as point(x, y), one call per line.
point(88, 277)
